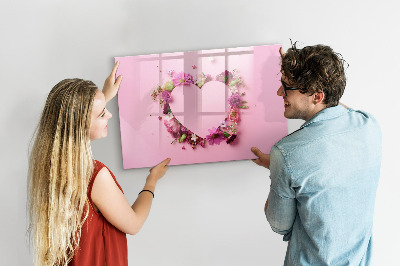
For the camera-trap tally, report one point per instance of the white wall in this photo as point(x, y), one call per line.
point(207, 214)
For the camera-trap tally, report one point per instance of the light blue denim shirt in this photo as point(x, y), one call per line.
point(323, 183)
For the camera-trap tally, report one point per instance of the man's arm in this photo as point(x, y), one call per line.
point(262, 160)
point(280, 208)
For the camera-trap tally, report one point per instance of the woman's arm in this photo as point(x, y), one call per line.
point(114, 206)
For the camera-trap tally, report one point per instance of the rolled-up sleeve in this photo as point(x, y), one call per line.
point(281, 210)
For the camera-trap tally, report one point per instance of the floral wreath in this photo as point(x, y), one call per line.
point(226, 131)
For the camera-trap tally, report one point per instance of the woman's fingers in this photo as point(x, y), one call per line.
point(162, 164)
point(114, 70)
point(165, 162)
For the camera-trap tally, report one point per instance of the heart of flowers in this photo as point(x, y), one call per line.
point(226, 131)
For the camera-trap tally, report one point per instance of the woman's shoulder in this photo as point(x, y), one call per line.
point(97, 167)
point(98, 164)
point(101, 169)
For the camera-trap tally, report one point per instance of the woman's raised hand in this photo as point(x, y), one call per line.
point(111, 85)
point(158, 171)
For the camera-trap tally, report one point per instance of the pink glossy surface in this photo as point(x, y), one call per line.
point(145, 140)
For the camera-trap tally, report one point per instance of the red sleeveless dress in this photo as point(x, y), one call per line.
point(101, 243)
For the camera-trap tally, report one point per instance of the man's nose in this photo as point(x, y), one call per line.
point(280, 91)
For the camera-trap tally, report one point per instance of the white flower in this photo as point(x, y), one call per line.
point(233, 89)
point(169, 116)
point(194, 138)
point(222, 124)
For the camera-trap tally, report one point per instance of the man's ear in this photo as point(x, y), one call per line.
point(318, 97)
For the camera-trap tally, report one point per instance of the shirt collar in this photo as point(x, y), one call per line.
point(326, 114)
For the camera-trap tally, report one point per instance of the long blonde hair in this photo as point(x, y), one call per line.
point(60, 167)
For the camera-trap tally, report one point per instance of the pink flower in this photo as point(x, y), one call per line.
point(166, 96)
point(202, 142)
point(234, 100)
point(225, 77)
point(215, 136)
point(233, 115)
point(182, 79)
point(173, 127)
point(166, 109)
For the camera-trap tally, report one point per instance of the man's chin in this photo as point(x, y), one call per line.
point(290, 116)
point(287, 115)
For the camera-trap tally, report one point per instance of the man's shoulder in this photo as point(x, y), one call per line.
point(365, 116)
point(323, 129)
point(292, 142)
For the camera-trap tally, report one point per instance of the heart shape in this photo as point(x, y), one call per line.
point(213, 109)
point(203, 108)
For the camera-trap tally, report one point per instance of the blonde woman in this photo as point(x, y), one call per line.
point(78, 212)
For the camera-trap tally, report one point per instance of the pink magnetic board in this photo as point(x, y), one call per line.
point(199, 106)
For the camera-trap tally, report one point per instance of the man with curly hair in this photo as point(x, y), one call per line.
point(325, 174)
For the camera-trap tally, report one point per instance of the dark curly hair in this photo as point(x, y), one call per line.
point(316, 69)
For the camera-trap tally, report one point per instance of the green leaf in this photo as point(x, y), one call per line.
point(182, 138)
point(233, 82)
point(226, 135)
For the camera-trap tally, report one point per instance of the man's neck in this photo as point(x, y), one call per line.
point(318, 108)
